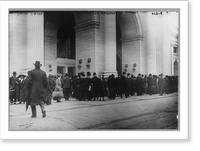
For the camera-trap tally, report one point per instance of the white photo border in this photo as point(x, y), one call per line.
point(183, 132)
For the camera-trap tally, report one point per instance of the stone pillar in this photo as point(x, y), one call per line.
point(110, 44)
point(17, 41)
point(151, 44)
point(35, 38)
point(167, 60)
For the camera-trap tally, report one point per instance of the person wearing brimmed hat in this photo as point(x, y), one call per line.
point(95, 86)
point(22, 88)
point(13, 81)
point(82, 87)
point(66, 84)
point(37, 82)
point(88, 85)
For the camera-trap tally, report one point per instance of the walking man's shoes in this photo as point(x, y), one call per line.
point(44, 114)
point(33, 116)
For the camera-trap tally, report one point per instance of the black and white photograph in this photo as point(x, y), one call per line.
point(95, 70)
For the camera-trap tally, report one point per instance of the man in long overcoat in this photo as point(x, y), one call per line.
point(150, 83)
point(66, 86)
point(37, 81)
point(123, 85)
point(161, 84)
point(95, 86)
point(12, 86)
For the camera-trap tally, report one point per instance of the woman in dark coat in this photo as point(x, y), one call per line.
point(112, 87)
point(102, 88)
point(23, 89)
point(88, 87)
point(81, 87)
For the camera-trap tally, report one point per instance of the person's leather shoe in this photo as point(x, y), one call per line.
point(44, 114)
point(33, 116)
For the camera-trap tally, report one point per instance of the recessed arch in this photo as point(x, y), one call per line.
point(131, 38)
point(60, 40)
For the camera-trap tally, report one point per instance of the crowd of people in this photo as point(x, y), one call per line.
point(87, 86)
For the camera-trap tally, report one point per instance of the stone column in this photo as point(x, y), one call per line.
point(17, 41)
point(35, 38)
point(110, 44)
point(167, 60)
point(151, 44)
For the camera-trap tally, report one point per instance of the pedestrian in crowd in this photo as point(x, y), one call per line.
point(58, 90)
point(14, 88)
point(112, 87)
point(118, 86)
point(176, 83)
point(37, 81)
point(150, 84)
point(133, 85)
point(128, 83)
point(81, 87)
point(154, 85)
point(102, 88)
point(74, 86)
point(88, 87)
point(139, 84)
point(166, 84)
point(145, 84)
point(22, 88)
point(49, 90)
point(66, 86)
point(161, 83)
point(95, 86)
point(123, 85)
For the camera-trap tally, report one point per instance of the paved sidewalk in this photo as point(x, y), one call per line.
point(136, 112)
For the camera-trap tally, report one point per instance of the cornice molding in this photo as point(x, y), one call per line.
point(129, 38)
point(87, 25)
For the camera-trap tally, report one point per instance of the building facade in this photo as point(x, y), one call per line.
point(108, 42)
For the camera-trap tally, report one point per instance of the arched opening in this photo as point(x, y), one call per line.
point(131, 42)
point(176, 68)
point(60, 50)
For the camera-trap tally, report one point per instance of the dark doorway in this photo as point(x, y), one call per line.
point(71, 71)
point(60, 70)
point(66, 37)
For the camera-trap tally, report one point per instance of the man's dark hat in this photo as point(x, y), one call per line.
point(83, 74)
point(14, 72)
point(37, 63)
point(88, 74)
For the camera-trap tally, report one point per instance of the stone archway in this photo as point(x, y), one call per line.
point(58, 35)
point(90, 41)
point(131, 42)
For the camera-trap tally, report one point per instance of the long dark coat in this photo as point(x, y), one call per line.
point(14, 86)
point(37, 80)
